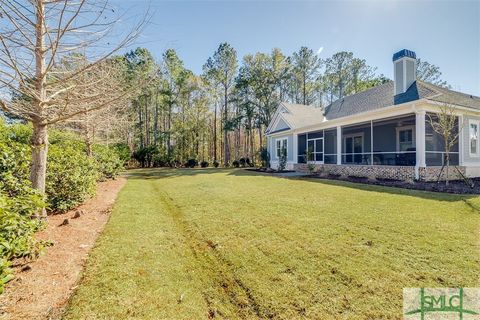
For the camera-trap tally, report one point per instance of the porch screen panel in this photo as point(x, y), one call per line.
point(435, 153)
point(302, 146)
point(330, 152)
point(394, 141)
point(356, 144)
point(315, 145)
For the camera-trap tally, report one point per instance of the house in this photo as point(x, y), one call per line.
point(383, 132)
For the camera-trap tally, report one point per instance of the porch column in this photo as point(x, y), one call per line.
point(295, 148)
point(420, 140)
point(461, 127)
point(339, 145)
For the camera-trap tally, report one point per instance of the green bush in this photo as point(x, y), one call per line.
point(18, 202)
point(71, 177)
point(123, 152)
point(264, 157)
point(235, 164)
point(243, 162)
point(191, 163)
point(216, 164)
point(204, 164)
point(108, 161)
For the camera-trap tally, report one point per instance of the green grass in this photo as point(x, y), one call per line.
point(198, 244)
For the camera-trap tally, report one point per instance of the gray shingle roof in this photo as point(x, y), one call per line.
point(300, 115)
point(382, 96)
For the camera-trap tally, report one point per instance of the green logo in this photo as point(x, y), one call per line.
point(442, 301)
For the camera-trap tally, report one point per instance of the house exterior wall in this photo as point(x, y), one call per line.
point(281, 125)
point(402, 173)
point(384, 141)
point(272, 150)
point(471, 162)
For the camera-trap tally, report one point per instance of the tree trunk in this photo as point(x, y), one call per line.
point(38, 171)
point(226, 158)
point(447, 178)
point(40, 133)
point(215, 134)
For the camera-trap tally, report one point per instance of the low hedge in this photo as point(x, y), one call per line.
point(71, 178)
point(18, 202)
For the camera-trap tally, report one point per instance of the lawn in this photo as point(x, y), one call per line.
point(212, 243)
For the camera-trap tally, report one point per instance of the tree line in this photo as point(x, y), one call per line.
point(220, 115)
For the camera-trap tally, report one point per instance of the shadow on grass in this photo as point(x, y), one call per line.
point(377, 188)
point(165, 173)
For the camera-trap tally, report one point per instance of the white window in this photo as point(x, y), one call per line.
point(474, 138)
point(282, 144)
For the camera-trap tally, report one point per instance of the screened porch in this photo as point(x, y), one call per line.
point(389, 142)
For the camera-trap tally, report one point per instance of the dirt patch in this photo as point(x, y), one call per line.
point(42, 288)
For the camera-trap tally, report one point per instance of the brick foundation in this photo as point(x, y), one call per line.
point(402, 173)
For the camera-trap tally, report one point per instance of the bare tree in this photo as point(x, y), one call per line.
point(41, 78)
point(445, 123)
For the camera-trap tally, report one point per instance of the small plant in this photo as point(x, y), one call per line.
point(216, 164)
point(248, 162)
point(282, 161)
point(204, 164)
point(191, 163)
point(236, 163)
point(308, 156)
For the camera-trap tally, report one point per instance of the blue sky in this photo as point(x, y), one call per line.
point(446, 33)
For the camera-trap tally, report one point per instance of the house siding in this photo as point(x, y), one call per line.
point(281, 125)
point(472, 163)
point(466, 141)
point(273, 154)
point(272, 147)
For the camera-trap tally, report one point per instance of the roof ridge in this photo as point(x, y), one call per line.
point(439, 89)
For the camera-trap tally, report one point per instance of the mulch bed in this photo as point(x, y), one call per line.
point(455, 186)
point(268, 171)
point(41, 288)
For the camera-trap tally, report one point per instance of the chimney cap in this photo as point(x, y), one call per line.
point(404, 53)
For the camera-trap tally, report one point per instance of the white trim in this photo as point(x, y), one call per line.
point(276, 115)
point(420, 161)
point(283, 144)
point(461, 148)
point(314, 152)
point(477, 123)
point(339, 145)
point(295, 147)
point(403, 128)
point(387, 112)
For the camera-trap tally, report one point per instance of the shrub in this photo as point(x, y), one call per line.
point(248, 162)
point(123, 152)
point(242, 162)
point(264, 157)
point(204, 164)
point(282, 161)
point(108, 161)
point(71, 177)
point(216, 164)
point(191, 163)
point(236, 163)
point(18, 202)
